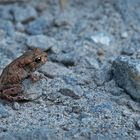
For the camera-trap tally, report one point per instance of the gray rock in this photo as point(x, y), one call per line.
point(112, 87)
point(33, 90)
point(16, 106)
point(128, 51)
point(3, 112)
point(5, 12)
point(75, 79)
point(21, 38)
point(62, 21)
point(20, 27)
point(68, 59)
point(102, 75)
point(126, 73)
point(124, 35)
point(53, 69)
point(132, 43)
point(40, 41)
point(76, 109)
point(5, 58)
point(7, 26)
point(24, 14)
point(2, 34)
point(11, 48)
point(126, 113)
point(69, 92)
point(57, 91)
point(74, 91)
point(133, 106)
point(92, 62)
point(38, 26)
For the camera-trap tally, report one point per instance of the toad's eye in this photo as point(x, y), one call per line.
point(38, 60)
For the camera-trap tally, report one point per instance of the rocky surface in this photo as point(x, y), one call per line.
point(127, 74)
point(91, 74)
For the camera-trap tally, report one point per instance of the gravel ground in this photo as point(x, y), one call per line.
point(93, 71)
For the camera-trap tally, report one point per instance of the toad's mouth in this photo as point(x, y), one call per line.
point(43, 60)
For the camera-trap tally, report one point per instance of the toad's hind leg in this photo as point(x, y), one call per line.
point(13, 93)
point(15, 98)
point(12, 90)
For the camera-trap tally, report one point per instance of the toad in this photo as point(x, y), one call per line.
point(12, 76)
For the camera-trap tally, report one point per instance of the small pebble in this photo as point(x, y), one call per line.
point(124, 35)
point(16, 106)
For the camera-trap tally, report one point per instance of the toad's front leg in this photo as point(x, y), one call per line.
point(34, 77)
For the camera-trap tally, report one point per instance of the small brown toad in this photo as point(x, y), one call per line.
point(11, 88)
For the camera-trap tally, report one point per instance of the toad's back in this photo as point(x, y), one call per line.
point(21, 67)
point(16, 71)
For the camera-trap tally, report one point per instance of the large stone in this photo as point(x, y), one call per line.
point(5, 12)
point(33, 91)
point(68, 59)
point(38, 26)
point(23, 14)
point(7, 26)
point(53, 69)
point(126, 72)
point(40, 41)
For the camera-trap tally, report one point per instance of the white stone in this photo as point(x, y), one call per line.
point(101, 38)
point(124, 35)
